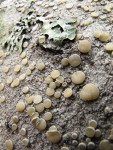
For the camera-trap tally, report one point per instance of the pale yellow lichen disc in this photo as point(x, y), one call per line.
point(1, 53)
point(97, 133)
point(49, 16)
point(50, 91)
point(34, 120)
point(61, 1)
point(23, 55)
point(42, 124)
point(47, 103)
point(64, 148)
point(40, 107)
point(25, 89)
point(35, 114)
point(20, 106)
point(52, 85)
point(12, 85)
point(105, 145)
point(17, 68)
point(14, 127)
point(23, 131)
point(2, 99)
point(22, 77)
point(30, 111)
point(48, 79)
point(78, 77)
point(60, 79)
point(53, 136)
point(94, 14)
point(28, 72)
point(89, 92)
point(104, 37)
point(90, 132)
point(15, 119)
point(74, 60)
point(24, 61)
point(9, 80)
point(69, 5)
point(25, 141)
point(47, 116)
point(78, 36)
point(39, 3)
point(41, 66)
point(9, 144)
point(93, 123)
point(53, 128)
point(57, 83)
point(41, 39)
point(32, 66)
point(29, 99)
point(86, 22)
point(68, 92)
point(55, 74)
point(16, 82)
point(1, 86)
point(107, 9)
point(64, 62)
point(6, 69)
point(109, 47)
point(84, 46)
point(57, 94)
point(37, 99)
point(97, 33)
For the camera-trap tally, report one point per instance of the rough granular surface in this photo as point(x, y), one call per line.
point(74, 123)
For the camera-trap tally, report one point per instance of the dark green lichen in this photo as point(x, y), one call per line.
point(56, 30)
point(59, 30)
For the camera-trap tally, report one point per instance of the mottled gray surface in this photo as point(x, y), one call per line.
point(68, 114)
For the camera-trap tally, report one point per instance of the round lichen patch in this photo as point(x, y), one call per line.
point(84, 46)
point(89, 92)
